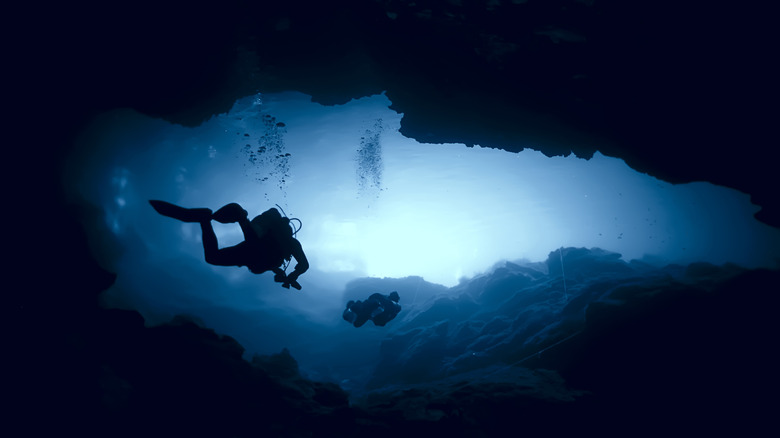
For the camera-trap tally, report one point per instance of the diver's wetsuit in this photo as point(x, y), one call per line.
point(378, 308)
point(263, 249)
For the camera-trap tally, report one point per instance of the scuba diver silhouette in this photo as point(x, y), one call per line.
point(269, 242)
point(380, 309)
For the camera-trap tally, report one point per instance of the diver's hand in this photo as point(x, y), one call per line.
point(280, 278)
point(292, 283)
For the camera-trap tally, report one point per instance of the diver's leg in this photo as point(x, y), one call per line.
point(210, 245)
point(250, 235)
point(230, 213)
point(230, 256)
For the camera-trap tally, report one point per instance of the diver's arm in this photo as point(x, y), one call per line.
point(302, 264)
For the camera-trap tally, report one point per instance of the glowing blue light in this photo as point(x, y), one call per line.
point(374, 203)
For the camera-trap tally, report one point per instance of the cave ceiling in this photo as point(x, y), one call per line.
point(679, 90)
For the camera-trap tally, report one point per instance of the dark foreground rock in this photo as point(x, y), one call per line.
point(623, 349)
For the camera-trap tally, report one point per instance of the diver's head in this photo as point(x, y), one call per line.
point(394, 296)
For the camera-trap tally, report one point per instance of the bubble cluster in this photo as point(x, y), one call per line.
point(267, 159)
point(369, 164)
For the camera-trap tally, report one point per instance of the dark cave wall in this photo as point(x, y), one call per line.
point(659, 84)
point(670, 87)
point(693, 355)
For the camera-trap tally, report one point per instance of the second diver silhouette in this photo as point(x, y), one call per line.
point(378, 308)
point(268, 243)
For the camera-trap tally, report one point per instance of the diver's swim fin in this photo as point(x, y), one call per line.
point(181, 213)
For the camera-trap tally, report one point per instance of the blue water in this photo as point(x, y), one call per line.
point(373, 204)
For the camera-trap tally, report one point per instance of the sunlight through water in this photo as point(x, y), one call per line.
point(375, 203)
